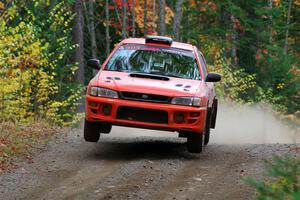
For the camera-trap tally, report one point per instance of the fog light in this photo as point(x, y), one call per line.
point(194, 114)
point(179, 117)
point(94, 110)
point(92, 103)
point(106, 109)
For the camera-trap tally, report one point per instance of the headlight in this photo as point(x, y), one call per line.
point(103, 92)
point(187, 101)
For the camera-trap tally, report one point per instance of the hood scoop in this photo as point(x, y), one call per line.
point(149, 76)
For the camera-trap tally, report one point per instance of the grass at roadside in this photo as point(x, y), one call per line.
point(18, 139)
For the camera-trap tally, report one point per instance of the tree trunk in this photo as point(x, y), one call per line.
point(286, 42)
point(161, 27)
point(153, 7)
point(78, 39)
point(77, 36)
point(270, 4)
point(117, 12)
point(188, 25)
point(145, 17)
point(124, 20)
point(92, 28)
point(177, 19)
point(133, 18)
point(107, 24)
point(233, 41)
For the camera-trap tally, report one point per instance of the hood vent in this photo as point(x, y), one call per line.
point(150, 76)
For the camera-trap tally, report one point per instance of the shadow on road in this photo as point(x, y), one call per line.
point(141, 148)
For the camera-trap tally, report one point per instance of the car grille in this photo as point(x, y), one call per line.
point(145, 97)
point(142, 115)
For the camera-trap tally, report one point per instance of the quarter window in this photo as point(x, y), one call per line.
point(203, 64)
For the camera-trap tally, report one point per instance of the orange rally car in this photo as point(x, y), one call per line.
point(153, 83)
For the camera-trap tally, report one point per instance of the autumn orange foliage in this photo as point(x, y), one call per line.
point(139, 14)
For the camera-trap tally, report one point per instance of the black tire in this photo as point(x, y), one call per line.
point(194, 142)
point(207, 127)
point(105, 127)
point(214, 113)
point(206, 137)
point(91, 131)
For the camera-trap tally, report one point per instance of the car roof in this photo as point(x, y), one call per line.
point(178, 45)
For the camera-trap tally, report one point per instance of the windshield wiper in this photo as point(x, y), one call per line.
point(173, 75)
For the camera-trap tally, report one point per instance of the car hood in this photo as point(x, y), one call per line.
point(121, 81)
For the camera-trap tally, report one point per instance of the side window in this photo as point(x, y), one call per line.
point(203, 65)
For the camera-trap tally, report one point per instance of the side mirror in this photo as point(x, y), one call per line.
point(213, 77)
point(94, 64)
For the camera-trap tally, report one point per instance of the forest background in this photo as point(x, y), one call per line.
point(44, 46)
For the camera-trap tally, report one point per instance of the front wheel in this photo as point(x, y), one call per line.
point(195, 142)
point(91, 131)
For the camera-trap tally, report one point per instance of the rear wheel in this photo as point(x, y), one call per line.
point(91, 131)
point(194, 142)
point(207, 128)
point(214, 113)
point(206, 138)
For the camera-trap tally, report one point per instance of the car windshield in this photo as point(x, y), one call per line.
point(138, 58)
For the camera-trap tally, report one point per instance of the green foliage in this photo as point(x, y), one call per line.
point(283, 181)
point(36, 81)
point(257, 32)
point(276, 73)
point(236, 83)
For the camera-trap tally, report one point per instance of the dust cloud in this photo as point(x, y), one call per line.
point(245, 124)
point(236, 124)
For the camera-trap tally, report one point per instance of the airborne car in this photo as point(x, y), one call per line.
point(153, 83)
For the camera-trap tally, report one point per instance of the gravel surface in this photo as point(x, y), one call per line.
point(130, 167)
point(141, 164)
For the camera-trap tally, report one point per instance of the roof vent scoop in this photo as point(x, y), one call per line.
point(159, 40)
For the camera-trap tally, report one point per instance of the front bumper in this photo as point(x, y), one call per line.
point(194, 117)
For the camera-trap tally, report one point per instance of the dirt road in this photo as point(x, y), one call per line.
point(140, 164)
